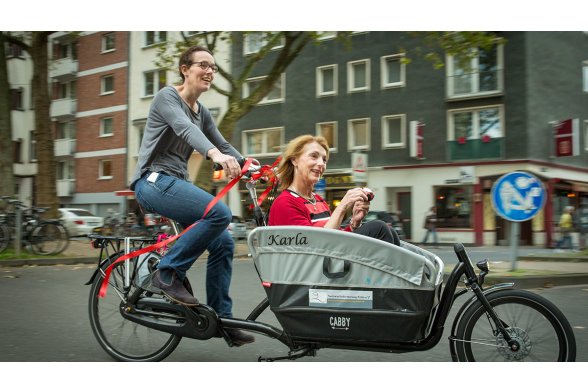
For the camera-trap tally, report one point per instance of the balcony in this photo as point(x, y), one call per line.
point(66, 188)
point(63, 108)
point(65, 147)
point(63, 69)
point(476, 149)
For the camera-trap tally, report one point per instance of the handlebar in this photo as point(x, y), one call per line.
point(254, 167)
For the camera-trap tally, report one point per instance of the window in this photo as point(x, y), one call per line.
point(65, 170)
point(254, 41)
point(108, 42)
point(154, 81)
point(66, 130)
point(17, 151)
point(394, 131)
point(454, 206)
point(358, 134)
point(326, 80)
point(479, 123)
point(66, 50)
point(16, 95)
point(107, 84)
point(106, 127)
point(66, 90)
point(328, 130)
point(585, 69)
point(481, 75)
point(105, 169)
point(14, 51)
point(275, 95)
point(155, 37)
point(392, 69)
point(33, 146)
point(358, 76)
point(258, 142)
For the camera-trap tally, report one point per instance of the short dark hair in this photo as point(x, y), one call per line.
point(186, 57)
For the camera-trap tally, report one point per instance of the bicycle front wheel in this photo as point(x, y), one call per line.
point(539, 327)
point(123, 339)
point(49, 238)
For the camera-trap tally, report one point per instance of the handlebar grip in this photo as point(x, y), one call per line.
point(241, 161)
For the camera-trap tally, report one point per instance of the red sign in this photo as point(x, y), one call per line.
point(417, 130)
point(567, 138)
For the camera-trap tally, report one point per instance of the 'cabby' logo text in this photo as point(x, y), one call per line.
point(298, 239)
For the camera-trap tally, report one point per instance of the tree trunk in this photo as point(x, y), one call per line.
point(6, 156)
point(45, 188)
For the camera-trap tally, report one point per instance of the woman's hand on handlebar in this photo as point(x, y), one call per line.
point(228, 163)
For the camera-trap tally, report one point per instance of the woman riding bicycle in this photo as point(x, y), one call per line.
point(177, 125)
point(303, 163)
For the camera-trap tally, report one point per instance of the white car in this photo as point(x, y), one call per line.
point(79, 222)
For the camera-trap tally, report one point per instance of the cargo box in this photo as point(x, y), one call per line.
point(325, 284)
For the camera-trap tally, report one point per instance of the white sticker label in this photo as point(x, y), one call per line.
point(340, 298)
point(152, 177)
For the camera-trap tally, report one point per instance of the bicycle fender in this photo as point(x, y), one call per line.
point(467, 304)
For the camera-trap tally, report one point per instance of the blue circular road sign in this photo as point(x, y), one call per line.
point(518, 196)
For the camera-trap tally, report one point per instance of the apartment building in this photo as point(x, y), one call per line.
point(89, 80)
point(436, 137)
point(20, 73)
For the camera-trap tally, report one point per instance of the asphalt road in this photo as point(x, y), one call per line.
point(45, 318)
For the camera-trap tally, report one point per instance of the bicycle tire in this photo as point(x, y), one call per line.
point(123, 339)
point(49, 238)
point(536, 323)
point(4, 237)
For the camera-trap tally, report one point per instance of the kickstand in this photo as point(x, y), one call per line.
point(292, 355)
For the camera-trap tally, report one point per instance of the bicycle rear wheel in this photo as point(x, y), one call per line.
point(123, 339)
point(49, 238)
point(540, 328)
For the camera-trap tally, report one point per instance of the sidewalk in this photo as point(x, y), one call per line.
point(537, 269)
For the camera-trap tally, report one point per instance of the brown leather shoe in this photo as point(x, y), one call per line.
point(175, 290)
point(239, 337)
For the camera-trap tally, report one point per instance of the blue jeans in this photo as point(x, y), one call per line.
point(434, 235)
point(185, 203)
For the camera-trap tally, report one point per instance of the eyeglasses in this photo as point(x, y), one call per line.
point(205, 65)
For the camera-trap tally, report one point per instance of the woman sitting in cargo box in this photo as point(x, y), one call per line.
point(303, 163)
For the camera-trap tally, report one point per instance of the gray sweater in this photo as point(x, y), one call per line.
point(173, 131)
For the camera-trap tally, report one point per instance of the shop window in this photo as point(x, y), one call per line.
point(454, 206)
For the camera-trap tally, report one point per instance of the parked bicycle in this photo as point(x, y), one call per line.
point(38, 235)
point(331, 289)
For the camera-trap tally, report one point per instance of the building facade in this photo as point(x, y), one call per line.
point(20, 74)
point(436, 137)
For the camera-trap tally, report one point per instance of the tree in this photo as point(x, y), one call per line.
point(279, 49)
point(36, 44)
point(6, 157)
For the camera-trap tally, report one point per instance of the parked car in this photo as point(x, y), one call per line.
point(79, 222)
point(391, 220)
point(238, 228)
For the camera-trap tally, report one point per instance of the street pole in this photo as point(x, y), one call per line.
point(514, 243)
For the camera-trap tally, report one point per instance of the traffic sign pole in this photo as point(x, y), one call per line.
point(514, 241)
point(517, 197)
